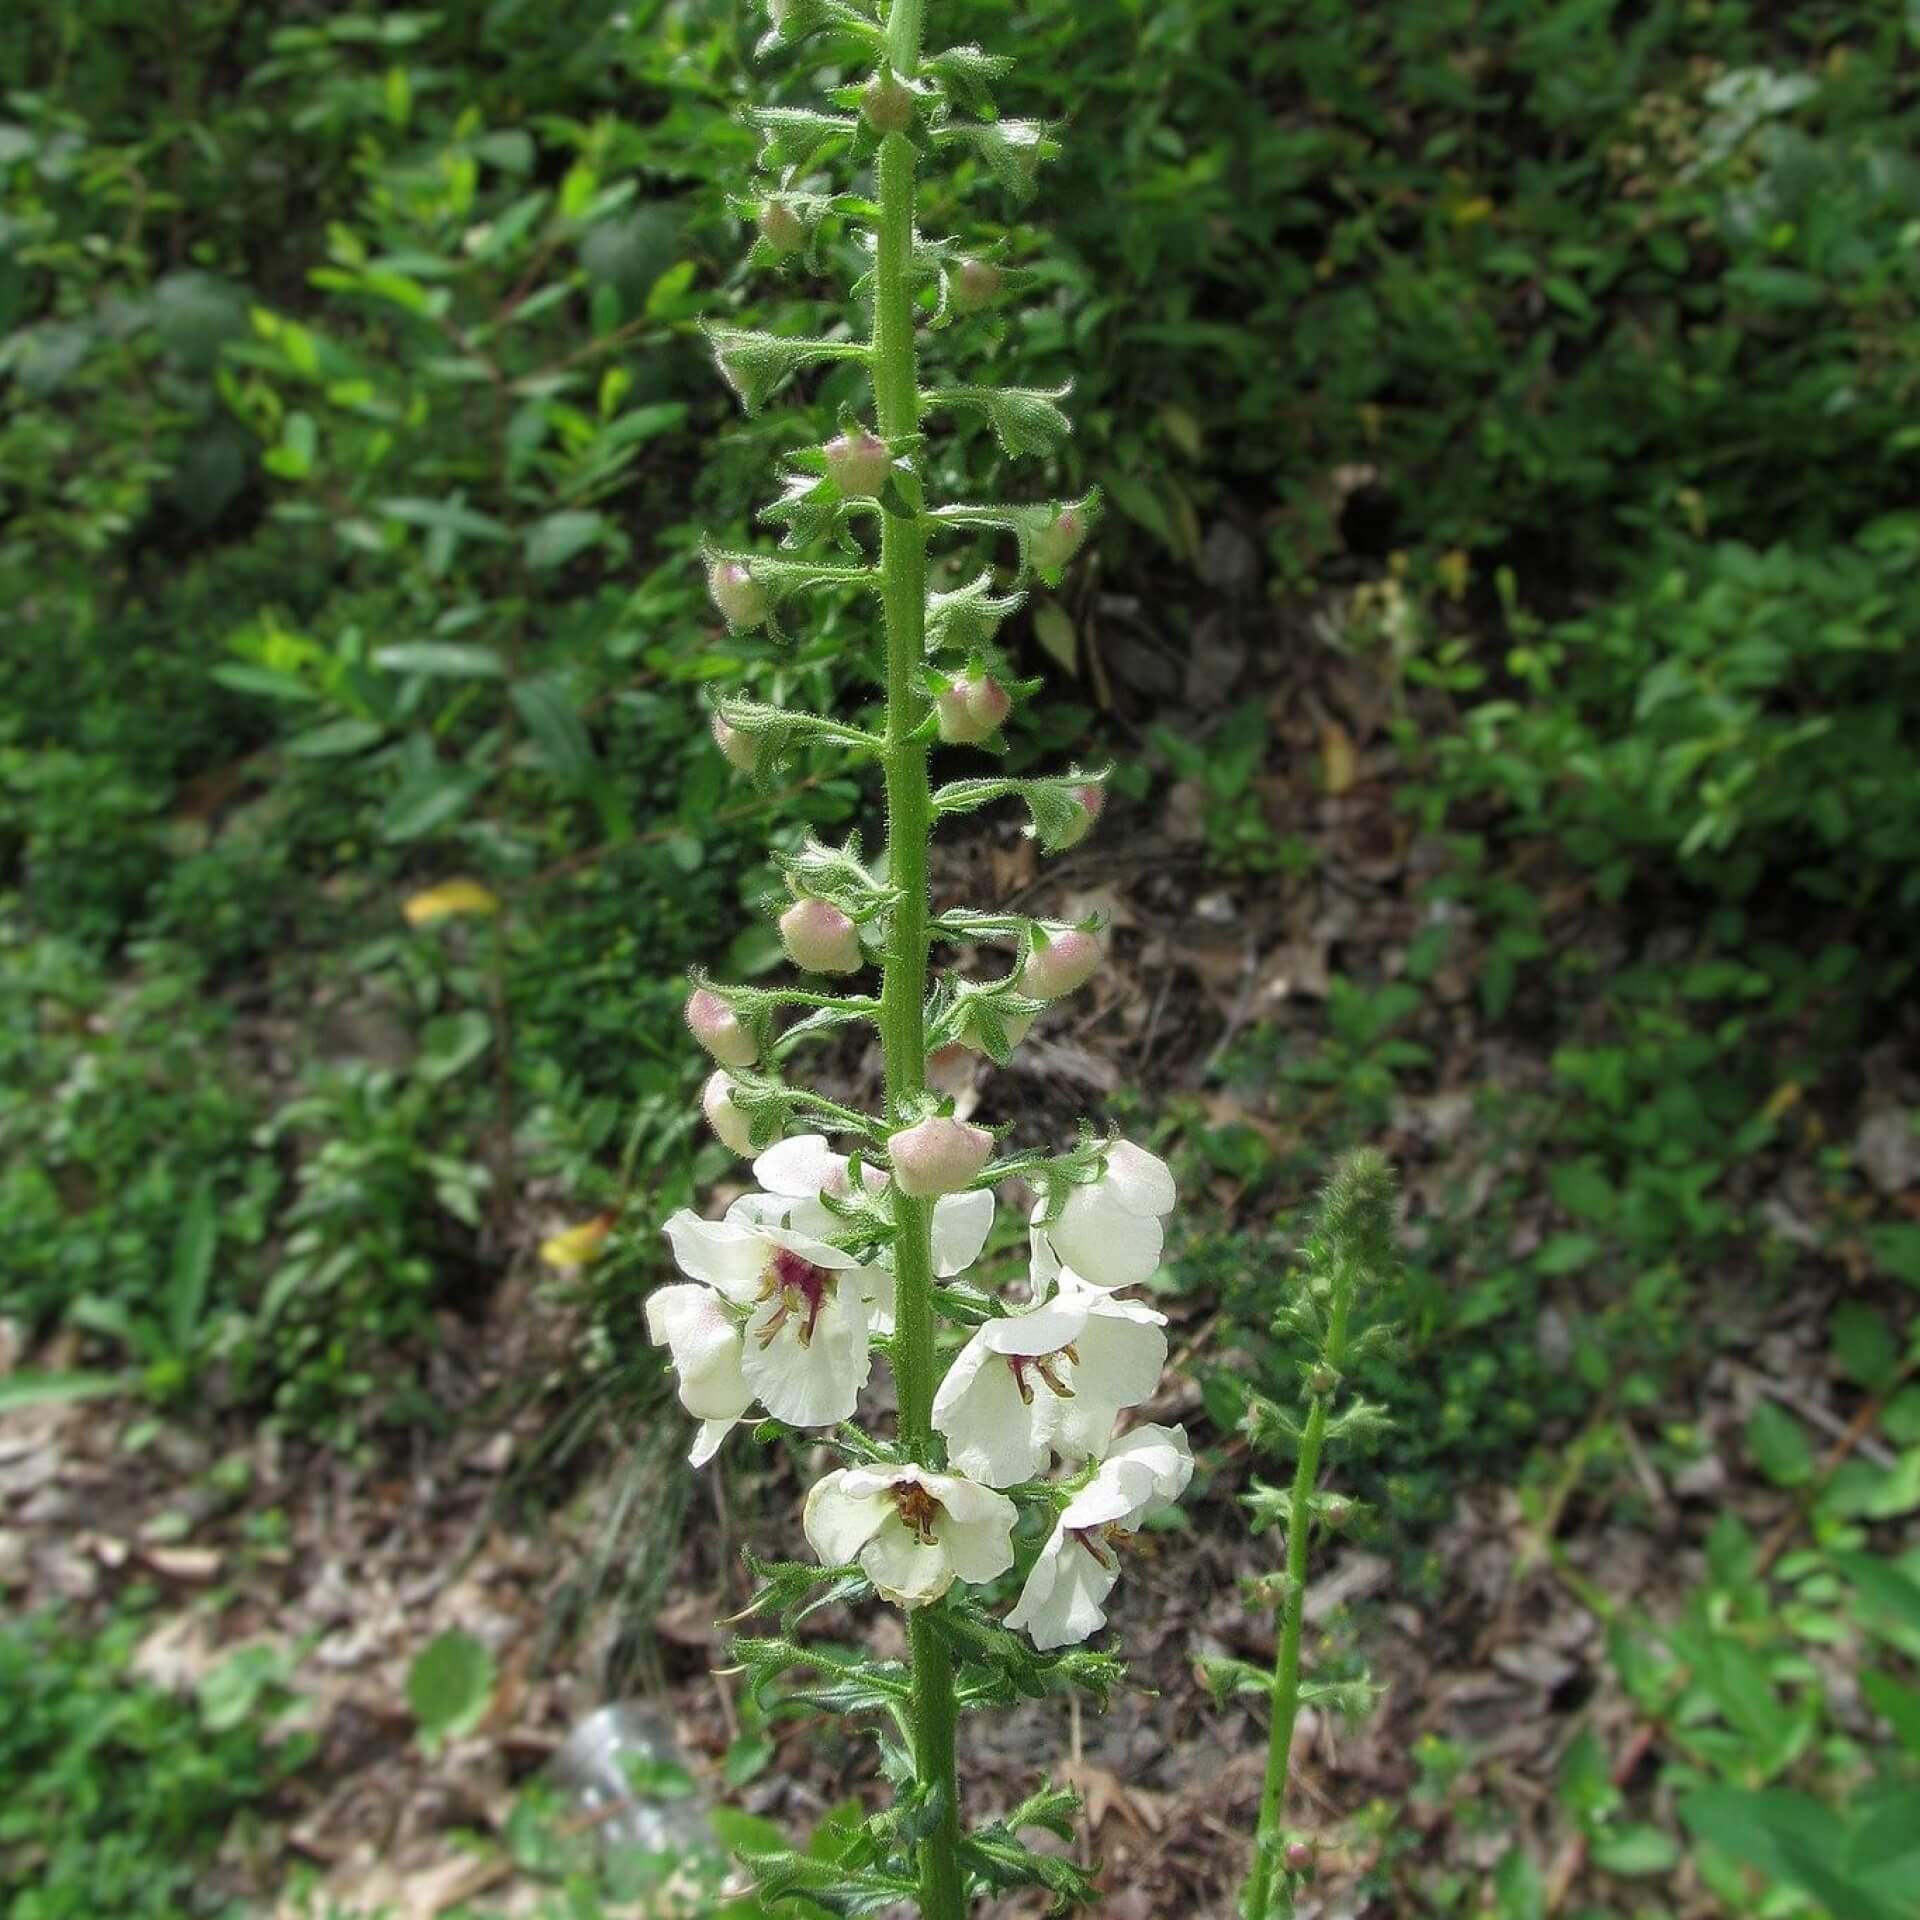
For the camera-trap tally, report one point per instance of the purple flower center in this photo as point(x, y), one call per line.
point(800, 1287)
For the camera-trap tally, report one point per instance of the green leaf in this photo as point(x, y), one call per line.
point(1883, 1587)
point(449, 1686)
point(554, 541)
point(194, 1242)
point(1896, 1703)
point(19, 1390)
point(1779, 1445)
point(747, 1758)
point(1631, 1851)
point(448, 659)
point(451, 1042)
point(336, 739)
point(1897, 1249)
point(547, 707)
point(1519, 1891)
point(445, 516)
point(1583, 1190)
point(426, 804)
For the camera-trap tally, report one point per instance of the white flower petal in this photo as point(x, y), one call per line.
point(728, 1254)
point(961, 1223)
point(876, 1289)
point(706, 1443)
point(798, 1168)
point(843, 1511)
point(1044, 1330)
point(815, 1384)
point(1106, 1244)
point(976, 1527)
point(834, 1259)
point(904, 1569)
point(704, 1340)
point(1138, 1180)
point(1163, 1454)
point(989, 1429)
point(1063, 1599)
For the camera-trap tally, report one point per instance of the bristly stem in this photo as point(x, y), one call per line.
point(1286, 1673)
point(903, 567)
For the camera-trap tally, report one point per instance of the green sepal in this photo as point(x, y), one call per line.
point(1025, 522)
point(969, 616)
point(1012, 149)
point(793, 138)
point(753, 364)
point(1025, 420)
point(1228, 1679)
point(964, 71)
point(835, 1885)
point(800, 19)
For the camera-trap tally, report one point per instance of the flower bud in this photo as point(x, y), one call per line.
point(781, 228)
point(973, 284)
point(1064, 965)
point(1299, 1857)
point(858, 464)
point(738, 595)
point(1091, 799)
point(972, 709)
point(1322, 1380)
point(820, 938)
point(938, 1156)
point(727, 1121)
point(888, 105)
point(950, 1068)
point(717, 1027)
point(738, 749)
point(1056, 543)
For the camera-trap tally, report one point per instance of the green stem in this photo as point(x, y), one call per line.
point(903, 569)
point(1286, 1673)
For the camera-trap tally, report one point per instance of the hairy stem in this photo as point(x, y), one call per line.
point(1259, 1904)
point(903, 567)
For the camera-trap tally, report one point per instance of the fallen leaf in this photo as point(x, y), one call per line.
point(577, 1246)
point(451, 897)
point(1339, 763)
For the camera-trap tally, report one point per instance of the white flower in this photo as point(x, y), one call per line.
point(797, 1306)
point(1052, 1380)
point(1064, 1599)
point(798, 1171)
point(913, 1532)
point(704, 1338)
point(1109, 1232)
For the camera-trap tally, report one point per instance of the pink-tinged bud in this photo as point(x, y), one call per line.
point(738, 595)
point(938, 1156)
point(950, 1068)
point(717, 1027)
point(1299, 1857)
point(888, 105)
point(1056, 543)
point(972, 709)
point(974, 284)
point(716, 1102)
point(1015, 1025)
point(1337, 1513)
point(820, 938)
point(781, 228)
point(1091, 800)
point(1064, 965)
point(738, 749)
point(858, 464)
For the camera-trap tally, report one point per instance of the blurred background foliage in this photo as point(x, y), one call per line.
point(358, 441)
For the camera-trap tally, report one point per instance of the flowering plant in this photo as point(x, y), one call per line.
point(1006, 1452)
